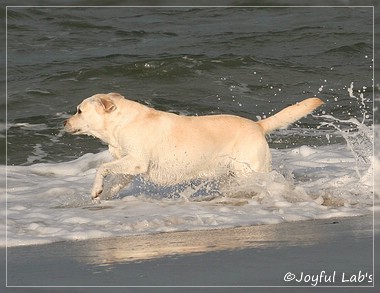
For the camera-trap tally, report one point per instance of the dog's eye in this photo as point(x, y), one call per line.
point(79, 111)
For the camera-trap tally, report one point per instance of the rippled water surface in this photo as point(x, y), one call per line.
point(247, 61)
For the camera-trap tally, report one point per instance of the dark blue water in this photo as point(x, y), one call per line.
point(247, 61)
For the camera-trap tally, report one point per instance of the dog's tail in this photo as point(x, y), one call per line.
point(290, 114)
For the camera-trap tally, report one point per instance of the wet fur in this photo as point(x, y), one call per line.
point(171, 148)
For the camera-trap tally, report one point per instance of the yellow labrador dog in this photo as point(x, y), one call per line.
point(171, 148)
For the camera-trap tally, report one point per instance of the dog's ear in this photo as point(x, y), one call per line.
point(108, 105)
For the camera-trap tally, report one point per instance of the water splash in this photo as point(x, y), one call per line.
point(358, 136)
point(290, 182)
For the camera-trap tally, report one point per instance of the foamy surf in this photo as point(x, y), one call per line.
point(51, 202)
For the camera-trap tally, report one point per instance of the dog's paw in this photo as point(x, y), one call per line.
point(96, 200)
point(96, 192)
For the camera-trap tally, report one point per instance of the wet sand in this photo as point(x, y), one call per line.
point(331, 252)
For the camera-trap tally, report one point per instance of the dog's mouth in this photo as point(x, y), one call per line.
point(73, 131)
point(79, 132)
point(76, 132)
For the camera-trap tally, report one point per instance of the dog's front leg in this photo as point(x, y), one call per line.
point(126, 166)
point(97, 188)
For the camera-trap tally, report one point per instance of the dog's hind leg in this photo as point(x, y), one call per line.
point(113, 184)
point(119, 183)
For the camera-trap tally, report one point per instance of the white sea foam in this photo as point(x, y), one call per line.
point(51, 202)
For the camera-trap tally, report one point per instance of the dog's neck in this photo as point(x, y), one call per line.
point(105, 137)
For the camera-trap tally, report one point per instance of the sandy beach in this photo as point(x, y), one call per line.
point(331, 252)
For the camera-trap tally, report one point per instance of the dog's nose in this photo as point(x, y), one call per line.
point(64, 123)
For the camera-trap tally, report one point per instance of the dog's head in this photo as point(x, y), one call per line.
point(92, 115)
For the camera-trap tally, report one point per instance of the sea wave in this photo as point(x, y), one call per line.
point(51, 202)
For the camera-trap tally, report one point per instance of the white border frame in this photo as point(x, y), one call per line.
point(185, 6)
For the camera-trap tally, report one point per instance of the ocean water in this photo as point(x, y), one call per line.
point(247, 61)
